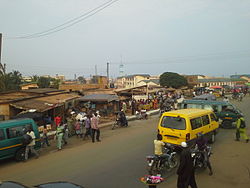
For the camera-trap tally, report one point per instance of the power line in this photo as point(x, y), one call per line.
point(68, 23)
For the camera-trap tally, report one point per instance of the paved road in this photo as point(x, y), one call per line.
point(119, 160)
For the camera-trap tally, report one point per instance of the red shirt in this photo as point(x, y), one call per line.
point(57, 120)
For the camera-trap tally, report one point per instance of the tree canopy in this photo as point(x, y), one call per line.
point(81, 79)
point(43, 82)
point(171, 79)
point(9, 81)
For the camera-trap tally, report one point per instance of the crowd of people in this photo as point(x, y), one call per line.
point(84, 126)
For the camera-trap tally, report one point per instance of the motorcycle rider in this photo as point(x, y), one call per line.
point(159, 144)
point(121, 118)
point(201, 144)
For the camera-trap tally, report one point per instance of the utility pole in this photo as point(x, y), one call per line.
point(0, 47)
point(95, 70)
point(108, 74)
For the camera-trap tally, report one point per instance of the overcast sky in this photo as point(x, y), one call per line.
point(210, 37)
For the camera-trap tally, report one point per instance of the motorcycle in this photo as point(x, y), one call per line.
point(237, 96)
point(142, 114)
point(199, 158)
point(158, 165)
point(120, 121)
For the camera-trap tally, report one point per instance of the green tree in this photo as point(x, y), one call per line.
point(81, 79)
point(14, 80)
point(43, 82)
point(55, 83)
point(2, 76)
point(171, 79)
point(9, 81)
point(34, 78)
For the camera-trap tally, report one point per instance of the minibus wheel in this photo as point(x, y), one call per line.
point(20, 154)
point(226, 124)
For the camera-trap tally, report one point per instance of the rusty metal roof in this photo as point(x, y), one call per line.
point(99, 91)
point(44, 103)
point(99, 98)
point(12, 96)
point(43, 90)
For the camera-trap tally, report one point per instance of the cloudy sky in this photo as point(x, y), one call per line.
point(210, 37)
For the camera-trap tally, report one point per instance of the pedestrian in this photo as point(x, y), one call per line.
point(57, 120)
point(78, 128)
point(30, 146)
point(95, 128)
point(70, 126)
point(87, 127)
point(133, 106)
point(59, 136)
point(185, 171)
point(124, 107)
point(65, 133)
point(241, 131)
point(45, 139)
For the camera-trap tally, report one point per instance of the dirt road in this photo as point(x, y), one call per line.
point(119, 160)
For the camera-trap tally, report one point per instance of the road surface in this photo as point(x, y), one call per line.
point(118, 161)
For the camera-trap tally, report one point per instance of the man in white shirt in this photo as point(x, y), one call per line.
point(30, 146)
point(159, 145)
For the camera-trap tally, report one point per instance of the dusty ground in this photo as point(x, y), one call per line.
point(119, 160)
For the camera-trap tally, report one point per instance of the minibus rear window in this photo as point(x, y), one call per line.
point(173, 122)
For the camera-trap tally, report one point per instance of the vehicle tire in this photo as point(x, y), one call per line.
point(173, 161)
point(212, 138)
point(20, 154)
point(227, 124)
point(152, 170)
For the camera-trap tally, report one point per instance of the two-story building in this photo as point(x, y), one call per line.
point(130, 81)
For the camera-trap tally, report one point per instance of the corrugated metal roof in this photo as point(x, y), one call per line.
point(99, 98)
point(219, 80)
point(43, 90)
point(156, 81)
point(100, 91)
point(133, 75)
point(44, 103)
point(12, 96)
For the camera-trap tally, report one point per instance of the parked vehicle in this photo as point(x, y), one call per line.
point(199, 158)
point(225, 111)
point(11, 136)
point(183, 125)
point(205, 97)
point(159, 165)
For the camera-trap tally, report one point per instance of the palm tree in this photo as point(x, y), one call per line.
point(2, 69)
